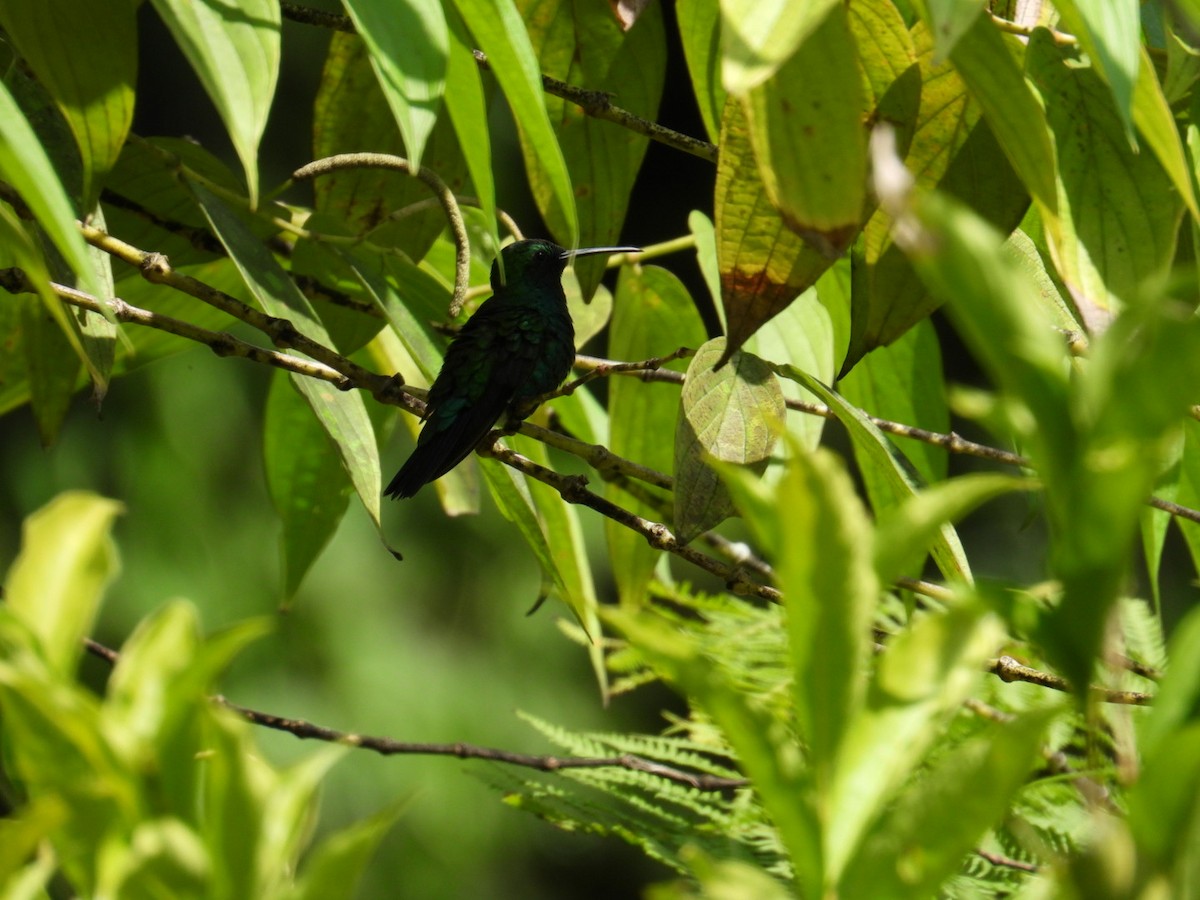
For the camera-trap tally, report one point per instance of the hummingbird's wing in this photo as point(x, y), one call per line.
point(484, 368)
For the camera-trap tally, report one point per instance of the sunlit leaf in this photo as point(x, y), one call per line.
point(1123, 209)
point(234, 51)
point(874, 449)
point(24, 165)
point(759, 37)
point(699, 32)
point(408, 45)
point(67, 560)
point(499, 32)
point(951, 148)
point(733, 415)
point(85, 55)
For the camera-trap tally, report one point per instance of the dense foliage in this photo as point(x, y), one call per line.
point(871, 701)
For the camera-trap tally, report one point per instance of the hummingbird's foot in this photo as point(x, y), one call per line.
point(510, 425)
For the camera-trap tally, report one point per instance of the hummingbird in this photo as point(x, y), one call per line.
point(519, 345)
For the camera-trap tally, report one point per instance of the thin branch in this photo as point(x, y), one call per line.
point(951, 442)
point(997, 860)
point(1008, 669)
point(462, 267)
point(1059, 37)
point(157, 269)
point(597, 456)
point(597, 104)
point(305, 730)
point(220, 342)
point(573, 489)
point(604, 368)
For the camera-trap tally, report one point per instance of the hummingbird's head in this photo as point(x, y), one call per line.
point(529, 262)
point(537, 262)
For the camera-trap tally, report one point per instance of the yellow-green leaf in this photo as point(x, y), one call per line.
point(56, 583)
point(732, 414)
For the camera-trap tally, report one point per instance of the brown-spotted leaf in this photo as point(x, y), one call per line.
point(763, 265)
point(806, 126)
point(732, 414)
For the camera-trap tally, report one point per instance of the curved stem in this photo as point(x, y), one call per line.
point(462, 265)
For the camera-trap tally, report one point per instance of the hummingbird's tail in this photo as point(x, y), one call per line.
point(428, 462)
point(440, 448)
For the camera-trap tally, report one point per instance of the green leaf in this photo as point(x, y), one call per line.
point(904, 383)
point(733, 415)
point(51, 361)
point(499, 32)
point(921, 679)
point(806, 127)
point(589, 316)
point(335, 868)
point(342, 414)
point(906, 531)
point(652, 315)
point(759, 37)
point(56, 583)
point(875, 450)
point(704, 233)
point(950, 148)
point(1110, 32)
point(949, 20)
point(234, 51)
point(1177, 700)
point(309, 487)
point(803, 334)
point(351, 113)
point(763, 265)
point(1124, 211)
point(572, 574)
point(20, 834)
point(98, 334)
point(767, 750)
point(85, 54)
point(165, 215)
point(466, 104)
point(921, 842)
point(699, 33)
point(583, 44)
point(985, 60)
point(408, 44)
point(1156, 123)
point(998, 311)
point(830, 591)
point(158, 684)
point(410, 318)
point(24, 165)
point(1098, 448)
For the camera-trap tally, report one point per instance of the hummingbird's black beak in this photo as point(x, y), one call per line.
point(568, 255)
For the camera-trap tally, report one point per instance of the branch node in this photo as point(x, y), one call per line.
point(155, 267)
